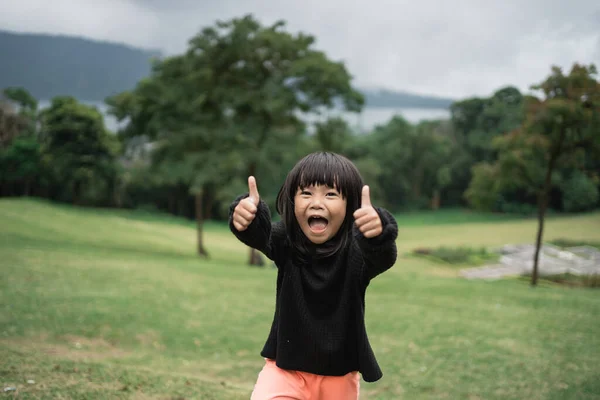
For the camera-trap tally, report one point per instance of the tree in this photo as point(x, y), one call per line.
point(20, 165)
point(476, 122)
point(414, 162)
point(191, 144)
point(263, 79)
point(27, 106)
point(19, 148)
point(76, 146)
point(12, 123)
point(560, 130)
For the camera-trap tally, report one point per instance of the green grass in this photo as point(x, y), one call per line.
point(98, 304)
point(453, 216)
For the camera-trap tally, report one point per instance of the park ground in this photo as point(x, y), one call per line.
point(105, 304)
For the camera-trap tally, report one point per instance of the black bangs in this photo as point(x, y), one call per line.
point(321, 168)
point(324, 169)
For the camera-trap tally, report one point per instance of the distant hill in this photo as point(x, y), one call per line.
point(48, 65)
point(387, 98)
point(90, 70)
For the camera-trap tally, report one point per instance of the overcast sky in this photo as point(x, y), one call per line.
point(450, 48)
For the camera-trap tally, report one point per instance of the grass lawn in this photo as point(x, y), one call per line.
point(99, 304)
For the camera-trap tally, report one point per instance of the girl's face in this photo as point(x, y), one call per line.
point(320, 211)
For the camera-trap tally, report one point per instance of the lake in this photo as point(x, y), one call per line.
point(363, 122)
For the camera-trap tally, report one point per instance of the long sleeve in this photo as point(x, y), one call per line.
point(379, 253)
point(261, 234)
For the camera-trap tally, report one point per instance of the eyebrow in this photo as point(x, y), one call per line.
point(309, 186)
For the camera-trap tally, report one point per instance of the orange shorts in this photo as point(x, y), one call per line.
point(274, 383)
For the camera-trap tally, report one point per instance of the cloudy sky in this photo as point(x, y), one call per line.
point(450, 48)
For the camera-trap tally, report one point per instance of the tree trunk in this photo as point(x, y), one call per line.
point(27, 188)
point(171, 203)
point(199, 223)
point(417, 182)
point(76, 193)
point(208, 204)
point(542, 205)
point(435, 199)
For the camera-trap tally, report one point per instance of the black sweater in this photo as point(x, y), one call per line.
point(319, 325)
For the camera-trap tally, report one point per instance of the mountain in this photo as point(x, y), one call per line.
point(90, 70)
point(49, 65)
point(386, 98)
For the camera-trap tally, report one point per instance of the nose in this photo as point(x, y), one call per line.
point(316, 202)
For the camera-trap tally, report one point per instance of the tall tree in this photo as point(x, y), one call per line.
point(264, 78)
point(565, 123)
point(561, 129)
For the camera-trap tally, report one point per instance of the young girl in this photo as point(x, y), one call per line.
point(330, 244)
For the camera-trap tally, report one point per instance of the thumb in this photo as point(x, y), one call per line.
point(252, 190)
point(366, 197)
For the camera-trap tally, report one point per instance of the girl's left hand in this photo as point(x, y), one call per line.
point(366, 218)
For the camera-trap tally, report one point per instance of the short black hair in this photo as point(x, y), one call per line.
point(320, 168)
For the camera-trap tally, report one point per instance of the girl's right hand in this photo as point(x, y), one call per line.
point(245, 212)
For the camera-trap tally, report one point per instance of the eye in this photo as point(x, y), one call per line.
point(305, 193)
point(332, 194)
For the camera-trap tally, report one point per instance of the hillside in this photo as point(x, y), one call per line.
point(90, 70)
point(48, 65)
point(388, 98)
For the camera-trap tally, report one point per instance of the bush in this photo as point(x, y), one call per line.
point(458, 255)
point(589, 281)
point(564, 243)
point(579, 193)
point(516, 208)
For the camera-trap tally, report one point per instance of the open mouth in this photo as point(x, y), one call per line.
point(317, 224)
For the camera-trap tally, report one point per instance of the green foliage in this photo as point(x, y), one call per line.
point(477, 123)
point(22, 98)
point(458, 255)
point(333, 135)
point(21, 162)
point(479, 120)
point(564, 243)
point(558, 133)
point(579, 193)
point(77, 148)
point(514, 207)
point(482, 193)
point(12, 124)
point(415, 161)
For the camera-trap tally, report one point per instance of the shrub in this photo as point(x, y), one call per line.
point(458, 255)
point(589, 281)
point(564, 243)
point(579, 193)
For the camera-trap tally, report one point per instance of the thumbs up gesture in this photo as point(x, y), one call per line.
point(366, 218)
point(245, 211)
